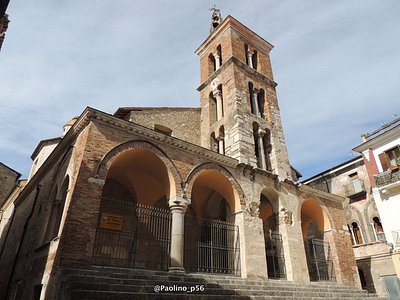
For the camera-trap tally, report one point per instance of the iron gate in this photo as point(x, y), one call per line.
point(146, 247)
point(319, 260)
point(275, 257)
point(211, 246)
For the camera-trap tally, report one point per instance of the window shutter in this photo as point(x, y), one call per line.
point(384, 161)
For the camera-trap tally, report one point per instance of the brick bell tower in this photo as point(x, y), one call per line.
point(239, 108)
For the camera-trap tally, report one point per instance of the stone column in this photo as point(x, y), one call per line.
point(178, 208)
point(218, 96)
point(217, 58)
point(293, 244)
point(255, 101)
point(261, 134)
point(250, 58)
point(252, 250)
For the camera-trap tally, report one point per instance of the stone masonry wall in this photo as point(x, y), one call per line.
point(8, 181)
point(34, 263)
point(184, 122)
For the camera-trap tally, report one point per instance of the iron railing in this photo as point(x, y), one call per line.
point(275, 256)
point(396, 238)
point(320, 264)
point(211, 246)
point(147, 246)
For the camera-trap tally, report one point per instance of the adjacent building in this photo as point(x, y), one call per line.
point(371, 183)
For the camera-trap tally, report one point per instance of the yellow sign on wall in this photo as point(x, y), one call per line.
point(111, 221)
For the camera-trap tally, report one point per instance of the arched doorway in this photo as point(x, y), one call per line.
point(314, 223)
point(273, 239)
point(211, 237)
point(134, 225)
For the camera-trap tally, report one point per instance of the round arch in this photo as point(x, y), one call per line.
point(174, 177)
point(314, 219)
point(217, 178)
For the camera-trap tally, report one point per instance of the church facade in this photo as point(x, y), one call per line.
point(183, 190)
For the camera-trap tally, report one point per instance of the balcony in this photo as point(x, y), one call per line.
point(356, 188)
point(396, 238)
point(380, 236)
point(387, 177)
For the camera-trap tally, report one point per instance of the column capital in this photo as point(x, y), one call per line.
point(250, 52)
point(217, 93)
point(178, 203)
point(261, 132)
point(255, 91)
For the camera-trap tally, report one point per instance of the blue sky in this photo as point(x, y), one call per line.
point(337, 65)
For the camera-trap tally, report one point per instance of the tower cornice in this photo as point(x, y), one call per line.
point(244, 31)
point(238, 63)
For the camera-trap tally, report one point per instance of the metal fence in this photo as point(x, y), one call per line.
point(146, 245)
point(211, 246)
point(275, 256)
point(320, 264)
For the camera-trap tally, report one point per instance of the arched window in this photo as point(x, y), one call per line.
point(255, 59)
point(219, 56)
point(357, 235)
point(220, 103)
point(378, 229)
point(252, 104)
point(261, 102)
point(256, 127)
point(246, 50)
point(221, 140)
point(212, 63)
point(57, 209)
point(214, 146)
point(267, 149)
point(212, 108)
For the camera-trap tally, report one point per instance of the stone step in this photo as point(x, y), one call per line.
point(110, 295)
point(117, 283)
point(266, 286)
point(243, 290)
point(249, 284)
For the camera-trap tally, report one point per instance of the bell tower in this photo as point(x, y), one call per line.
point(239, 108)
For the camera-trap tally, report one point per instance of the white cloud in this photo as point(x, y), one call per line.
point(336, 63)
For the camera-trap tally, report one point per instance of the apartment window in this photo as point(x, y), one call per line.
point(356, 183)
point(357, 235)
point(390, 158)
point(378, 230)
